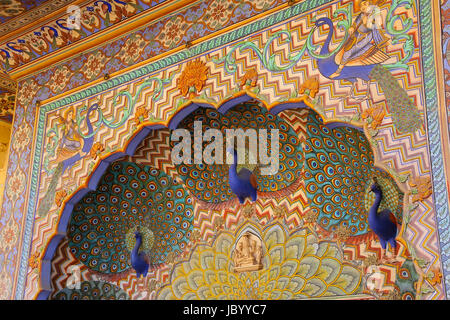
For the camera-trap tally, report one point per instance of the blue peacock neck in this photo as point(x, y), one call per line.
point(137, 245)
point(374, 209)
point(325, 48)
point(233, 167)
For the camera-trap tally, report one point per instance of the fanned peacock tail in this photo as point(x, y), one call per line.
point(49, 198)
point(296, 266)
point(130, 195)
point(209, 183)
point(338, 169)
point(92, 290)
point(405, 114)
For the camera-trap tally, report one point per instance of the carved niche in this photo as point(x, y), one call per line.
point(248, 253)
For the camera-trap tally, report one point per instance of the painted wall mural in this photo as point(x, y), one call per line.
point(360, 133)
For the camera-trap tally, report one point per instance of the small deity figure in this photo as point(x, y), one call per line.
point(366, 37)
point(248, 254)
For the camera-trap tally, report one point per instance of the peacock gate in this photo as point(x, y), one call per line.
point(353, 97)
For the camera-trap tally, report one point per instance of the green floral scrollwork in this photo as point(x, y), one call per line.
point(268, 59)
point(126, 111)
point(50, 148)
point(401, 34)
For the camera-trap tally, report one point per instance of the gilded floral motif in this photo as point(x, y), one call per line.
point(374, 116)
point(310, 88)
point(34, 260)
point(249, 79)
point(141, 114)
point(422, 188)
point(96, 150)
point(60, 196)
point(193, 78)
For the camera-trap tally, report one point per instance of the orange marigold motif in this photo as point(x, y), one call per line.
point(376, 114)
point(59, 197)
point(249, 78)
point(141, 114)
point(96, 149)
point(34, 260)
point(423, 187)
point(437, 276)
point(193, 77)
point(310, 87)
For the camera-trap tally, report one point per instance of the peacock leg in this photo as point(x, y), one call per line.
point(383, 250)
point(254, 195)
point(394, 248)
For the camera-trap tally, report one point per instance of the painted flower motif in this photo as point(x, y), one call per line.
point(94, 65)
point(342, 233)
point(280, 212)
point(132, 49)
point(310, 217)
point(171, 257)
point(60, 79)
point(60, 196)
point(218, 13)
point(374, 116)
point(9, 235)
point(26, 92)
point(436, 277)
point(5, 285)
point(96, 150)
point(219, 223)
point(195, 236)
point(310, 88)
point(172, 33)
point(248, 211)
point(249, 79)
point(141, 114)
point(22, 137)
point(371, 260)
point(193, 78)
point(16, 185)
point(34, 260)
point(422, 188)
